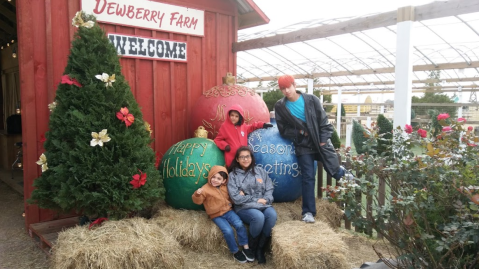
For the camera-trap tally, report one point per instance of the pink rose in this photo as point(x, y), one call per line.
point(446, 128)
point(408, 128)
point(422, 133)
point(443, 116)
point(461, 120)
point(470, 128)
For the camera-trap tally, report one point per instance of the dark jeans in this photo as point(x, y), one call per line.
point(225, 222)
point(308, 171)
point(259, 220)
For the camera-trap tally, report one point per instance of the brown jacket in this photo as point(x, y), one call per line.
point(215, 199)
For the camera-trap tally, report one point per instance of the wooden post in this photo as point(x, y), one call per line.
point(382, 196)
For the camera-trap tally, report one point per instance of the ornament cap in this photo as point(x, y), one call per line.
point(201, 132)
point(229, 79)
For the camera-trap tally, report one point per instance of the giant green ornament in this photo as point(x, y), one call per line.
point(185, 168)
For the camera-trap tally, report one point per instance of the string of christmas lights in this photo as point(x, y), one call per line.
point(14, 47)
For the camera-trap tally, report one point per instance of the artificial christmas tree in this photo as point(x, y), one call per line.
point(97, 157)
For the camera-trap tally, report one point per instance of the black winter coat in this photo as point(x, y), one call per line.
point(317, 126)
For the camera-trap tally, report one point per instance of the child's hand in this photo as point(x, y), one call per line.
point(241, 193)
point(227, 148)
point(199, 191)
point(262, 201)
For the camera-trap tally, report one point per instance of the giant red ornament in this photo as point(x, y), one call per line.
point(210, 109)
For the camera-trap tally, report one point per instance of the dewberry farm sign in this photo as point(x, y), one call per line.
point(147, 14)
point(148, 48)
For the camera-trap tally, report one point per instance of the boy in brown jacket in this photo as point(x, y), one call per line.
point(214, 196)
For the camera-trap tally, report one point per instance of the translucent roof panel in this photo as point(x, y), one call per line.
point(366, 59)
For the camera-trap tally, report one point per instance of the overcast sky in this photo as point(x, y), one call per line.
point(285, 12)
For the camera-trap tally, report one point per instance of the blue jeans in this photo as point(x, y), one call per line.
point(259, 220)
point(308, 171)
point(225, 222)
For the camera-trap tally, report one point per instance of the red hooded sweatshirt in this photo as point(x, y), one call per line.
point(234, 136)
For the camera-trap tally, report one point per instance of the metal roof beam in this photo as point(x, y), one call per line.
point(385, 70)
point(425, 12)
point(392, 82)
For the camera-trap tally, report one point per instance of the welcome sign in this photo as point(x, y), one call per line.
point(147, 14)
point(148, 48)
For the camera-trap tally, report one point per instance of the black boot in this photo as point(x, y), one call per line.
point(262, 245)
point(253, 243)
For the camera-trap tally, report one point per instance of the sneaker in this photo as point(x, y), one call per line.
point(308, 218)
point(240, 257)
point(248, 254)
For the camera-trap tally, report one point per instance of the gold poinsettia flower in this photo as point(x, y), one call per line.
point(99, 138)
point(43, 162)
point(77, 21)
point(52, 106)
point(148, 127)
point(106, 78)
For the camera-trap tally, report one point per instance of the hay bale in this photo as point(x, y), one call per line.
point(287, 212)
point(325, 211)
point(129, 243)
point(296, 244)
point(192, 229)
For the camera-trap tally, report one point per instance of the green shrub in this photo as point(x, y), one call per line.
point(385, 128)
point(360, 136)
point(431, 215)
point(335, 140)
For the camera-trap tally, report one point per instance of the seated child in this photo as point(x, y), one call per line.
point(234, 132)
point(214, 196)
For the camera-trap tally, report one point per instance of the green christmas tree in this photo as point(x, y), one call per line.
point(385, 134)
point(359, 137)
point(97, 157)
point(335, 140)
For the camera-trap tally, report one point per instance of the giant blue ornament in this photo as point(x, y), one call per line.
point(276, 155)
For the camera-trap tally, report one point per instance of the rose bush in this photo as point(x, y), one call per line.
point(431, 213)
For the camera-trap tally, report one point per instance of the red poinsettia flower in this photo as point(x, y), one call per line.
point(158, 159)
point(124, 115)
point(70, 81)
point(408, 128)
point(443, 116)
point(98, 221)
point(138, 180)
point(422, 133)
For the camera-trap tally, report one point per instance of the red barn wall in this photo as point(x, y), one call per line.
point(165, 90)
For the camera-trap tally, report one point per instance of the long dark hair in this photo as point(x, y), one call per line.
point(235, 164)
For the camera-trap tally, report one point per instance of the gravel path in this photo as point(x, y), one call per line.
point(17, 249)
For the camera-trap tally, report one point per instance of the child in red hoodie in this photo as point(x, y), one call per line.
point(214, 196)
point(234, 132)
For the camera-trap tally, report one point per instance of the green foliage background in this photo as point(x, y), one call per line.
point(96, 180)
point(271, 97)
